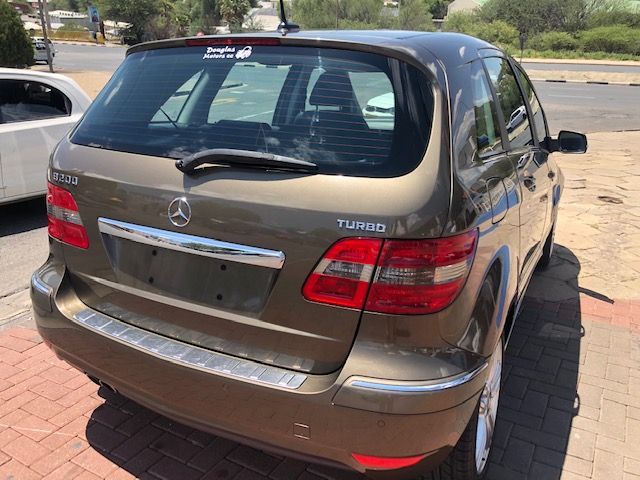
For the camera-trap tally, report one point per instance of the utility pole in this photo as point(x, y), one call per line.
point(337, 12)
point(47, 45)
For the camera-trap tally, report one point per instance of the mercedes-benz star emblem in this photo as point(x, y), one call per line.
point(179, 212)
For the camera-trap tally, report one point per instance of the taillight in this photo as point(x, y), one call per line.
point(411, 276)
point(386, 463)
point(65, 223)
point(342, 277)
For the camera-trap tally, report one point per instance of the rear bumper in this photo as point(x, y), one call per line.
point(324, 419)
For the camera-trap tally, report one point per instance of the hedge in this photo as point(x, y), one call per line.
point(612, 39)
point(556, 41)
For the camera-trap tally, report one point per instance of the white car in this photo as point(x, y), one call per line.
point(40, 50)
point(518, 116)
point(382, 106)
point(37, 109)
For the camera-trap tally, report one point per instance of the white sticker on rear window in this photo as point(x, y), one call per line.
point(227, 52)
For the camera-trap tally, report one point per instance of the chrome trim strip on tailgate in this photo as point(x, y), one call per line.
point(181, 242)
point(188, 355)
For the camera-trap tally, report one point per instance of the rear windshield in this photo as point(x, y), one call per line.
point(351, 113)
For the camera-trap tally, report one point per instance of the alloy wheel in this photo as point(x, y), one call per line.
point(488, 410)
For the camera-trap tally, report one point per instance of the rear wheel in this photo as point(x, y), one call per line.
point(469, 460)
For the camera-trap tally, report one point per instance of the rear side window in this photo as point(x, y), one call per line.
point(487, 126)
point(539, 119)
point(511, 102)
point(22, 101)
point(351, 113)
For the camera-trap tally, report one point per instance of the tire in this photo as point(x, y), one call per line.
point(463, 463)
point(547, 250)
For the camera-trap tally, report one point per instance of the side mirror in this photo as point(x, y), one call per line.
point(568, 142)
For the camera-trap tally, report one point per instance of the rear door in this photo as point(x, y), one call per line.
point(541, 132)
point(529, 160)
point(34, 116)
point(218, 258)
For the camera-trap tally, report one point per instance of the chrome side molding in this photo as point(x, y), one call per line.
point(418, 387)
point(186, 354)
point(206, 247)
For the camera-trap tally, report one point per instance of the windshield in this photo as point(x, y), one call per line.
point(351, 113)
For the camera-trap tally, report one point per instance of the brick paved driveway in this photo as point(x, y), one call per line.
point(570, 409)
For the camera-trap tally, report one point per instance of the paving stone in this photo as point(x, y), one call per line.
point(544, 472)
point(225, 470)
point(518, 455)
point(253, 459)
point(142, 461)
point(288, 469)
point(212, 454)
point(535, 403)
point(175, 447)
point(632, 466)
point(130, 447)
point(581, 444)
point(557, 422)
point(516, 386)
point(103, 438)
point(578, 466)
point(94, 462)
point(170, 469)
point(607, 465)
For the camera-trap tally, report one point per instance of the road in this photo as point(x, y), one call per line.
point(88, 57)
point(581, 68)
point(590, 108)
point(107, 59)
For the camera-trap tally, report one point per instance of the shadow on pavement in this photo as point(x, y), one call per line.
point(23, 216)
point(539, 397)
point(539, 400)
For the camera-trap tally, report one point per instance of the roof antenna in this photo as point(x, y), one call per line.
point(286, 26)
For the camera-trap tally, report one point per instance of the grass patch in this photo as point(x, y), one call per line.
point(571, 54)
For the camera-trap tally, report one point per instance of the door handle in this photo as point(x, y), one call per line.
point(523, 160)
point(530, 183)
point(551, 174)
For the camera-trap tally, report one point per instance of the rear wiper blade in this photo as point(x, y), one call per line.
point(245, 158)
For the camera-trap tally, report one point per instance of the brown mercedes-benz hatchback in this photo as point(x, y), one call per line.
point(314, 243)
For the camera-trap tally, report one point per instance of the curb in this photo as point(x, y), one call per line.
point(590, 82)
point(578, 61)
point(87, 44)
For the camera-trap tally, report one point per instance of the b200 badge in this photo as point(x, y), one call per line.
point(64, 179)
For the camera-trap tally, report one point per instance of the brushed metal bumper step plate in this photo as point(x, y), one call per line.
point(188, 355)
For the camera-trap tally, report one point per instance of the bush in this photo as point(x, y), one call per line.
point(618, 16)
point(497, 32)
point(16, 50)
point(612, 39)
point(555, 41)
point(72, 27)
point(74, 35)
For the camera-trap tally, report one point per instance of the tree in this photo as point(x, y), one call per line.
point(437, 8)
point(16, 51)
point(138, 13)
point(209, 15)
point(233, 12)
point(362, 14)
point(413, 15)
point(542, 15)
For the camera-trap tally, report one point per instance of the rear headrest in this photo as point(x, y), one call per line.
point(333, 89)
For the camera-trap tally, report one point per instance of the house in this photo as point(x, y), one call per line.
point(464, 6)
point(265, 17)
